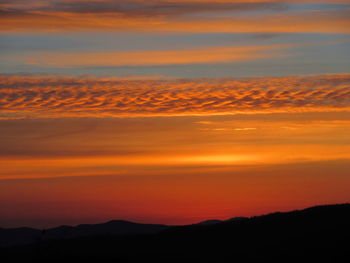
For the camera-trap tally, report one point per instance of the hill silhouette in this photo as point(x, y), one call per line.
point(24, 236)
point(317, 234)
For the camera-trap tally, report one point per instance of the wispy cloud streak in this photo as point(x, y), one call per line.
point(167, 16)
point(137, 7)
point(52, 96)
point(153, 57)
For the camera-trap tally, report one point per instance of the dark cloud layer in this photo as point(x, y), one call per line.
point(134, 8)
point(171, 16)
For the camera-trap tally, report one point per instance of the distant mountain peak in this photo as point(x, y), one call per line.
point(26, 235)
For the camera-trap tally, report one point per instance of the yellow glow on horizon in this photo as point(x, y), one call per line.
point(218, 159)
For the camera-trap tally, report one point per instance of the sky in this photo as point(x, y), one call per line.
point(171, 111)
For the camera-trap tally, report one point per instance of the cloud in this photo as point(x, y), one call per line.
point(56, 97)
point(151, 58)
point(133, 8)
point(53, 3)
point(167, 16)
point(245, 129)
point(151, 8)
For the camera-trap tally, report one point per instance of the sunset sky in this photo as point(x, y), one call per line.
point(171, 111)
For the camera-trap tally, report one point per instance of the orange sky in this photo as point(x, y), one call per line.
point(173, 170)
point(171, 111)
point(175, 198)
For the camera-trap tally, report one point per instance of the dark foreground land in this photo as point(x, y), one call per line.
point(317, 234)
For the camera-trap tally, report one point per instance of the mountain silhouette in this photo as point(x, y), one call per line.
point(112, 228)
point(18, 236)
point(317, 234)
point(23, 236)
point(209, 222)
